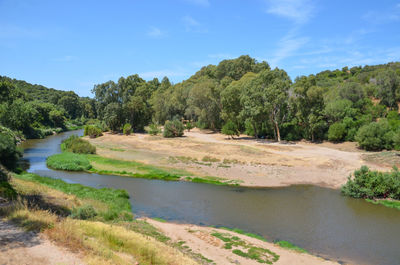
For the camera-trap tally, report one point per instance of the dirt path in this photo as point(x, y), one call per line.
point(244, 160)
point(200, 240)
point(20, 247)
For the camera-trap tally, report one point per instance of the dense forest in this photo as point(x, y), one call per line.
point(243, 95)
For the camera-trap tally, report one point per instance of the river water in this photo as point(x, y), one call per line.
point(317, 219)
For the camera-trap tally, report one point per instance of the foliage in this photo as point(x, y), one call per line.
point(230, 129)
point(68, 161)
point(7, 191)
point(336, 132)
point(153, 129)
point(9, 153)
point(289, 245)
point(84, 212)
point(189, 126)
point(373, 184)
point(77, 145)
point(173, 128)
point(92, 131)
point(372, 136)
point(127, 129)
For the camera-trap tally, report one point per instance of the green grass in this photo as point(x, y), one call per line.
point(288, 245)
point(159, 219)
point(68, 161)
point(239, 231)
point(7, 191)
point(119, 207)
point(136, 169)
point(387, 203)
point(246, 250)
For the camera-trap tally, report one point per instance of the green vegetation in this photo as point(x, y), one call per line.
point(210, 159)
point(288, 245)
point(9, 153)
point(230, 129)
point(77, 145)
point(159, 219)
point(370, 184)
point(189, 126)
point(127, 129)
point(92, 131)
point(239, 231)
point(68, 161)
point(387, 203)
point(117, 201)
point(35, 111)
point(173, 128)
point(153, 129)
point(246, 250)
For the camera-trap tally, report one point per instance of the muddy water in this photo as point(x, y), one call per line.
point(317, 219)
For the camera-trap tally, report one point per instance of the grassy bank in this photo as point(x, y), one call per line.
point(102, 241)
point(103, 165)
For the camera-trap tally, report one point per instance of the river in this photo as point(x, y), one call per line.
point(317, 219)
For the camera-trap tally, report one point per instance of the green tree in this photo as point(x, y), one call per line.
point(230, 129)
point(336, 132)
point(112, 116)
point(388, 83)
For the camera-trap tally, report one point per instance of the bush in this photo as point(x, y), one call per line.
point(9, 153)
point(189, 126)
point(68, 161)
point(372, 136)
point(153, 129)
point(127, 129)
point(336, 132)
point(373, 184)
point(230, 129)
point(92, 131)
point(173, 128)
point(84, 212)
point(77, 145)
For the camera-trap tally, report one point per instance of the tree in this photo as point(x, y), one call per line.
point(336, 132)
point(112, 116)
point(127, 129)
point(189, 126)
point(71, 105)
point(230, 129)
point(372, 136)
point(388, 83)
point(9, 153)
point(173, 128)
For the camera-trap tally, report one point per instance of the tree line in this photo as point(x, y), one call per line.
point(352, 104)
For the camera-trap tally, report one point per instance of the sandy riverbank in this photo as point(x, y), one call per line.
point(245, 160)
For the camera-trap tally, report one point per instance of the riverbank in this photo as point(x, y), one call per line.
point(50, 208)
point(244, 161)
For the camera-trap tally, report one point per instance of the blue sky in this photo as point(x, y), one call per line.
point(72, 45)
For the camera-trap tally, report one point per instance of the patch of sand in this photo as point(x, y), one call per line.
point(253, 162)
point(200, 240)
point(28, 248)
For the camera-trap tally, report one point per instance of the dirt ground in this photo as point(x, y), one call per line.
point(200, 240)
point(28, 248)
point(245, 160)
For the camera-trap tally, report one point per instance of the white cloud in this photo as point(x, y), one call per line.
point(192, 24)
point(300, 11)
point(287, 48)
point(204, 3)
point(155, 32)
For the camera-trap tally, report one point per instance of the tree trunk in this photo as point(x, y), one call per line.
point(278, 134)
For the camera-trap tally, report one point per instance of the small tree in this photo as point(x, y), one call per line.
point(127, 129)
point(336, 132)
point(189, 126)
point(173, 128)
point(230, 129)
point(153, 129)
point(372, 136)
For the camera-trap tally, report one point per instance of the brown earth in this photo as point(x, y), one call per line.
point(28, 248)
point(200, 240)
point(244, 160)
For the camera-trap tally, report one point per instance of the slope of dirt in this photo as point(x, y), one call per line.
point(20, 247)
point(200, 240)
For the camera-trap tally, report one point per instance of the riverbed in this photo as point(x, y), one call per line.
point(315, 218)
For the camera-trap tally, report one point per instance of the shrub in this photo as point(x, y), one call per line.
point(189, 126)
point(373, 184)
point(173, 128)
point(9, 153)
point(127, 129)
point(92, 131)
point(372, 136)
point(153, 129)
point(230, 129)
point(77, 145)
point(84, 212)
point(336, 132)
point(68, 161)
